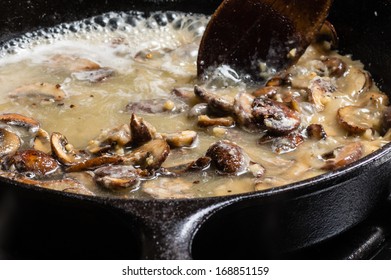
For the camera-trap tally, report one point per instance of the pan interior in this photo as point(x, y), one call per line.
point(124, 23)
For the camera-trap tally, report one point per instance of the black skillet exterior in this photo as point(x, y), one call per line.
point(257, 225)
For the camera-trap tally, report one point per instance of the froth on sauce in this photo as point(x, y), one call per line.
point(146, 58)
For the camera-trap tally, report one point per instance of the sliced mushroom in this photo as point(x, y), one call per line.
point(217, 104)
point(117, 138)
point(141, 131)
point(184, 94)
point(200, 164)
point(117, 177)
point(356, 119)
point(269, 91)
point(205, 121)
point(9, 142)
point(43, 91)
point(94, 163)
point(320, 92)
point(283, 144)
point(33, 161)
point(149, 156)
point(343, 156)
point(316, 131)
point(358, 80)
point(42, 141)
point(328, 34)
point(243, 111)
point(282, 79)
point(287, 143)
point(64, 151)
point(94, 76)
point(20, 121)
point(336, 66)
point(198, 110)
point(182, 139)
point(277, 118)
point(228, 158)
point(72, 63)
point(156, 106)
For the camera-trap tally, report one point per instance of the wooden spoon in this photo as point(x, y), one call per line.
point(245, 33)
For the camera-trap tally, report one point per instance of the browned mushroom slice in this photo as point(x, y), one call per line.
point(42, 141)
point(228, 158)
point(287, 143)
point(117, 177)
point(94, 163)
point(205, 121)
point(216, 103)
point(328, 34)
point(43, 91)
point(141, 131)
point(94, 76)
point(116, 138)
point(269, 91)
point(277, 118)
point(184, 94)
point(9, 142)
point(282, 144)
point(72, 63)
point(343, 156)
point(320, 92)
point(356, 120)
point(282, 79)
point(336, 66)
point(316, 131)
point(156, 106)
point(149, 156)
point(358, 80)
point(20, 121)
point(198, 110)
point(182, 139)
point(63, 150)
point(33, 161)
point(200, 164)
point(243, 111)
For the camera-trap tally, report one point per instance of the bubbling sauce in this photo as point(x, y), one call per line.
point(118, 114)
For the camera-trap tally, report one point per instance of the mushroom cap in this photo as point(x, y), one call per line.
point(37, 162)
point(228, 157)
point(9, 142)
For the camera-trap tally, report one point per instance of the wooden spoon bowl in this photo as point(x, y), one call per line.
point(246, 33)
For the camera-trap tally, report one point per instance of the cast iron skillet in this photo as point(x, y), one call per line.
point(255, 225)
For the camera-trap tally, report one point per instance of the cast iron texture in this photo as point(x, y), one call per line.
point(256, 225)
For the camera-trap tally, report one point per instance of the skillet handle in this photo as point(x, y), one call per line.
point(167, 228)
